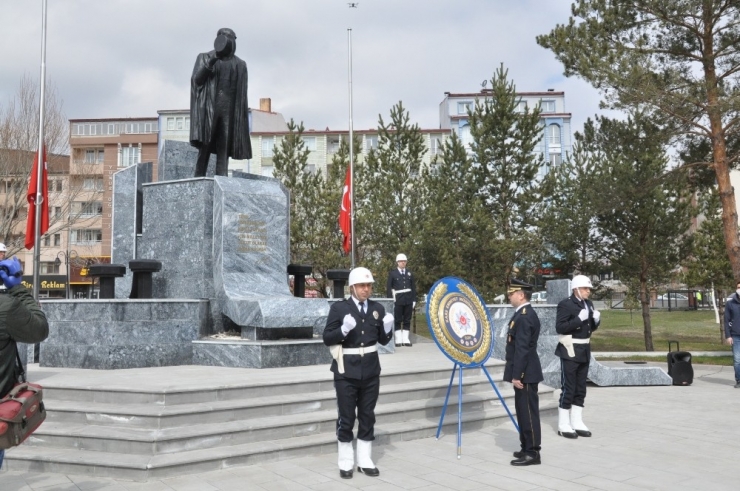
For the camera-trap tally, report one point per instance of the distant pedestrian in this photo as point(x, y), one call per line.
point(732, 330)
point(401, 286)
point(576, 320)
point(524, 371)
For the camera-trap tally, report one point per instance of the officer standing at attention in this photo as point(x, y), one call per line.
point(576, 320)
point(524, 371)
point(353, 330)
point(401, 288)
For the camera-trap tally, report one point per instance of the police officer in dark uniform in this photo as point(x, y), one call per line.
point(353, 330)
point(401, 288)
point(576, 320)
point(524, 371)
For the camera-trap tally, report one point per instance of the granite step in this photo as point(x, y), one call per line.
point(311, 382)
point(273, 428)
point(143, 467)
point(158, 417)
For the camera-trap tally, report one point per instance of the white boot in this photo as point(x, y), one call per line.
point(564, 427)
point(576, 420)
point(406, 341)
point(364, 458)
point(398, 337)
point(346, 457)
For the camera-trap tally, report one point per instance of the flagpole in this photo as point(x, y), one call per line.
point(351, 155)
point(41, 160)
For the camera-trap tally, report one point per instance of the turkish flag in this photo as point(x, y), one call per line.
point(345, 213)
point(31, 196)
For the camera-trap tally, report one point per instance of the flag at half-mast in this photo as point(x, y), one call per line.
point(31, 196)
point(345, 213)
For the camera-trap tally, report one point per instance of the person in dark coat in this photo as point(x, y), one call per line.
point(354, 328)
point(21, 321)
point(219, 111)
point(576, 320)
point(401, 287)
point(732, 330)
point(524, 371)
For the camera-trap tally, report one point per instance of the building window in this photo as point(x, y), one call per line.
point(435, 144)
point(267, 170)
point(57, 240)
point(547, 106)
point(555, 160)
point(92, 184)
point(371, 142)
point(268, 144)
point(111, 129)
point(310, 143)
point(332, 145)
point(48, 267)
point(170, 124)
point(57, 212)
point(50, 185)
point(521, 106)
point(86, 236)
point(59, 186)
point(464, 107)
point(130, 155)
point(553, 134)
point(87, 209)
point(187, 122)
point(465, 137)
point(47, 241)
point(93, 156)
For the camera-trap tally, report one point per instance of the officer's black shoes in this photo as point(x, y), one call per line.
point(369, 471)
point(345, 474)
point(583, 433)
point(568, 434)
point(519, 454)
point(527, 459)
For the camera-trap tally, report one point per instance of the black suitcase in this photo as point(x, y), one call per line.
point(679, 365)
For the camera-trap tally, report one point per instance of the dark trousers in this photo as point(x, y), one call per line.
point(360, 396)
point(527, 405)
point(402, 313)
point(219, 146)
point(573, 378)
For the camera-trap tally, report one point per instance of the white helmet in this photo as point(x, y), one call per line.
point(401, 257)
point(580, 281)
point(3, 248)
point(360, 275)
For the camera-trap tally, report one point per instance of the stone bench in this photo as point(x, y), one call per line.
point(141, 286)
point(107, 273)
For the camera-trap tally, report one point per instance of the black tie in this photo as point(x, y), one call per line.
point(362, 308)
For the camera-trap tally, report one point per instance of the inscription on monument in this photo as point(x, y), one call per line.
point(252, 234)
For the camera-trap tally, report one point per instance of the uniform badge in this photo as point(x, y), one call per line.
point(459, 322)
point(524, 310)
point(375, 314)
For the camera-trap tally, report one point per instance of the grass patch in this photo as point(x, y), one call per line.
point(695, 330)
point(695, 360)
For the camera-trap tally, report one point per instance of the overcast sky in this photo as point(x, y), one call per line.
point(130, 58)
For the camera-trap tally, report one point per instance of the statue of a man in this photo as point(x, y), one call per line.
point(219, 113)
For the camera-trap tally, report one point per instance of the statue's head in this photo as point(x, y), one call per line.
point(225, 43)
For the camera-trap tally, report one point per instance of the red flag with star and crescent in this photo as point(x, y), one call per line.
point(31, 196)
point(345, 213)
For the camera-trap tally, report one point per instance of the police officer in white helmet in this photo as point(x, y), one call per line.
point(576, 320)
point(354, 328)
point(3, 251)
point(401, 287)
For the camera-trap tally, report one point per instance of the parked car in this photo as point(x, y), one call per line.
point(539, 297)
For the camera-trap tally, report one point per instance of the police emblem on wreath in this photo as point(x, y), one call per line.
point(459, 322)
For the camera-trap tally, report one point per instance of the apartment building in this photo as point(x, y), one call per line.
point(556, 141)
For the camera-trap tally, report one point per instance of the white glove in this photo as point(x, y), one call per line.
point(597, 315)
point(388, 322)
point(413, 306)
point(583, 314)
point(348, 323)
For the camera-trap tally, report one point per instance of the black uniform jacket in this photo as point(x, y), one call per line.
point(522, 361)
point(369, 331)
point(568, 322)
point(398, 281)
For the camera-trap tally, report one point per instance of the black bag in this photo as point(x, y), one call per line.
point(679, 365)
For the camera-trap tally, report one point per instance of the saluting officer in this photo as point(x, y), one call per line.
point(402, 288)
point(576, 320)
point(353, 330)
point(524, 371)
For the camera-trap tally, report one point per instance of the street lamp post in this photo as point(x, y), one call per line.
point(68, 256)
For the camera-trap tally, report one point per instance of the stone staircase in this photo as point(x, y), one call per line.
point(143, 433)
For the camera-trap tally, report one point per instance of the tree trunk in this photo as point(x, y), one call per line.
point(645, 303)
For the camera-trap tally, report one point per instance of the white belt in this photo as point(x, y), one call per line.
point(581, 341)
point(396, 292)
point(568, 341)
point(338, 351)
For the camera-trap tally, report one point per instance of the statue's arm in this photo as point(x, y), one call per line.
point(204, 68)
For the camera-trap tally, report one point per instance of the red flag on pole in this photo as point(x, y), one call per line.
point(345, 214)
point(31, 196)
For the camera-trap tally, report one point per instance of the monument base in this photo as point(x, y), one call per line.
point(242, 353)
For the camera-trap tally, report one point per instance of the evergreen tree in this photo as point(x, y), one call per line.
point(642, 219)
point(679, 60)
point(505, 164)
point(387, 191)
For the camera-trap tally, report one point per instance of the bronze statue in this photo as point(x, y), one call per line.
point(219, 113)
